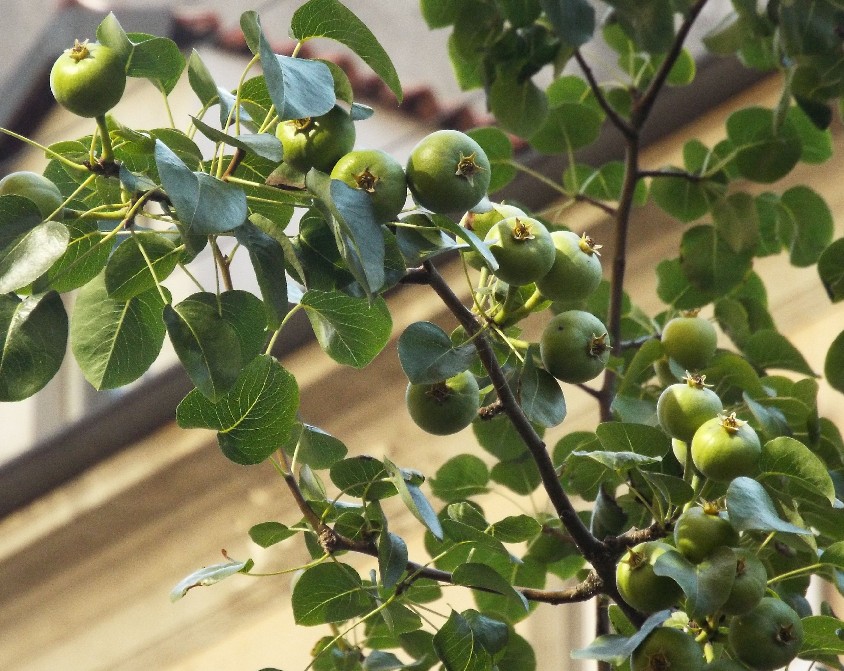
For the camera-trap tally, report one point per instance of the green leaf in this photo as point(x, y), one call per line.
point(414, 499)
point(315, 447)
point(201, 80)
point(392, 558)
point(439, 13)
point(267, 534)
point(706, 585)
point(764, 153)
point(816, 143)
point(737, 222)
point(254, 418)
point(139, 264)
point(111, 34)
point(518, 104)
point(675, 289)
point(769, 349)
point(265, 145)
point(468, 236)
point(672, 489)
point(457, 646)
point(833, 368)
point(684, 198)
point(518, 655)
point(709, 263)
point(33, 339)
point(115, 342)
point(267, 256)
point(352, 331)
point(499, 151)
point(358, 235)
point(640, 367)
point(498, 437)
point(299, 88)
point(208, 575)
point(567, 127)
point(605, 183)
point(751, 509)
point(515, 529)
point(329, 592)
point(540, 394)
point(476, 575)
point(788, 458)
point(634, 438)
point(821, 637)
point(427, 355)
point(203, 203)
point(833, 555)
point(378, 660)
point(85, 256)
point(616, 648)
point(362, 477)
point(805, 214)
point(831, 270)
point(573, 20)
point(519, 475)
point(158, 59)
point(216, 337)
point(460, 478)
point(24, 258)
point(331, 19)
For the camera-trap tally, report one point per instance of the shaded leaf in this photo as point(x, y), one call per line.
point(476, 575)
point(315, 447)
point(789, 458)
point(616, 648)
point(573, 20)
point(831, 270)
point(460, 478)
point(764, 153)
point(139, 264)
point(834, 363)
point(392, 558)
point(267, 256)
point(33, 340)
point(414, 499)
point(427, 355)
point(751, 509)
point(769, 349)
point(265, 145)
point(539, 392)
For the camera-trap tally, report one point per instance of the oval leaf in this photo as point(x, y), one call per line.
point(330, 592)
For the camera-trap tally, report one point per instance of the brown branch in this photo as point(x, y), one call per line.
point(624, 126)
point(583, 198)
point(642, 106)
point(589, 546)
point(237, 157)
point(222, 264)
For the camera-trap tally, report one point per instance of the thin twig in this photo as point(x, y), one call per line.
point(679, 174)
point(617, 120)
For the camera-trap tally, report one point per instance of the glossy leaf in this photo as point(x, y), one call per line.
point(362, 477)
point(216, 337)
point(86, 255)
point(540, 394)
point(706, 585)
point(115, 342)
point(267, 534)
point(515, 529)
point(392, 558)
point(254, 418)
point(33, 339)
point(203, 203)
point(158, 59)
point(267, 257)
point(352, 331)
point(27, 256)
point(329, 592)
point(140, 263)
point(264, 145)
point(427, 355)
point(634, 438)
point(331, 19)
point(208, 575)
point(200, 78)
point(315, 447)
point(460, 478)
point(790, 459)
point(822, 637)
point(457, 646)
point(751, 509)
point(616, 648)
point(414, 499)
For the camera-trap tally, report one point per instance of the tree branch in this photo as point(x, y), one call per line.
point(642, 106)
point(617, 120)
point(679, 174)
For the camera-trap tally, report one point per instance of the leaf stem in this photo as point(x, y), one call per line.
point(32, 143)
point(105, 138)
